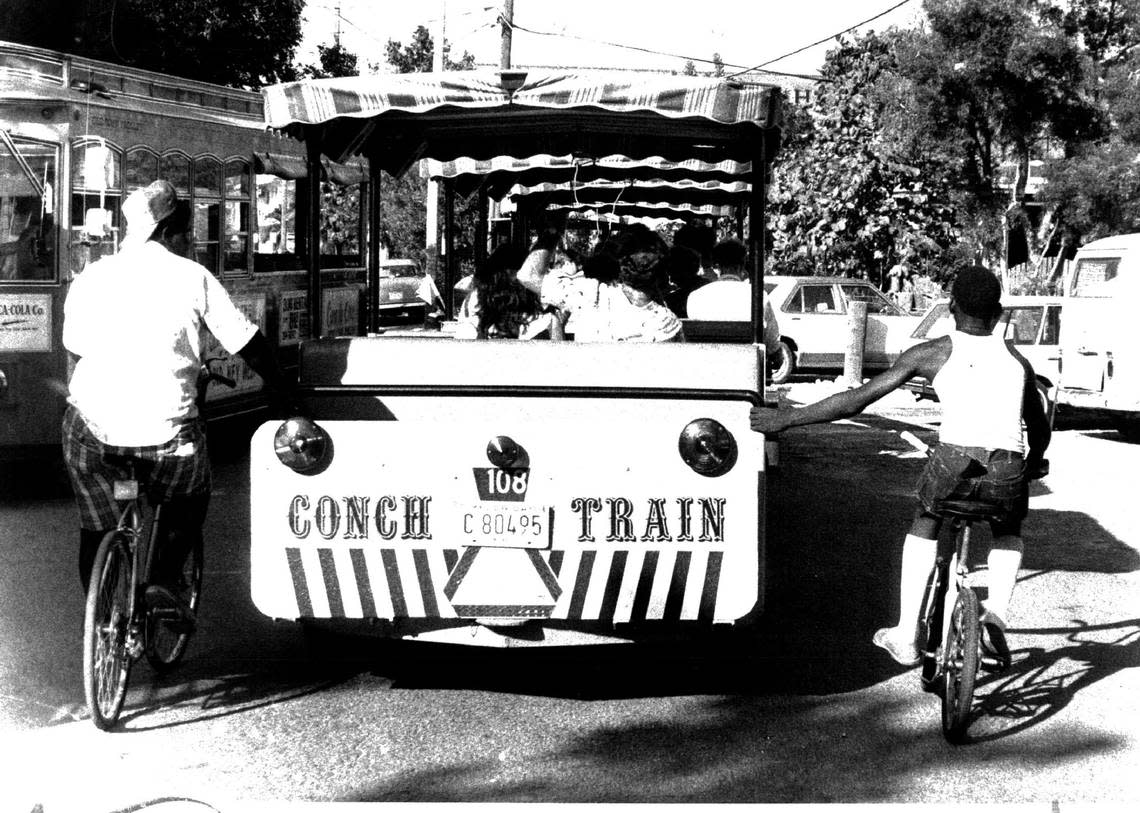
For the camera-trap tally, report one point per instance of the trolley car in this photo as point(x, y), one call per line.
point(510, 493)
point(76, 136)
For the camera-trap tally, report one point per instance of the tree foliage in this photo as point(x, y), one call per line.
point(417, 55)
point(247, 44)
point(403, 199)
point(851, 194)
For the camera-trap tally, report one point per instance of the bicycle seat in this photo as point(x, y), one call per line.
point(968, 510)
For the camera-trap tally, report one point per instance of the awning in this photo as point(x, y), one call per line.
point(397, 119)
point(696, 193)
point(497, 175)
point(680, 211)
point(294, 167)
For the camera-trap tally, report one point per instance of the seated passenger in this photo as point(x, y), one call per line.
point(630, 309)
point(729, 296)
point(684, 278)
point(499, 307)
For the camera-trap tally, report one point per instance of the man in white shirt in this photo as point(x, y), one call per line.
point(729, 297)
point(133, 321)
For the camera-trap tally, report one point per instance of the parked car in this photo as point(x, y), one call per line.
point(812, 314)
point(401, 301)
point(1032, 323)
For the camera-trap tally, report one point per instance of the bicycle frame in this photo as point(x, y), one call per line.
point(133, 524)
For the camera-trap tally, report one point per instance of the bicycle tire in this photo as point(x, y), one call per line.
point(961, 660)
point(106, 621)
point(166, 646)
point(930, 627)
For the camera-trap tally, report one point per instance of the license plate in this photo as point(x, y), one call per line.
point(506, 525)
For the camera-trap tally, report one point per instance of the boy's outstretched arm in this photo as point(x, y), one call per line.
point(918, 360)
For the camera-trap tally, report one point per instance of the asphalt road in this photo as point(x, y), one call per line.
point(800, 709)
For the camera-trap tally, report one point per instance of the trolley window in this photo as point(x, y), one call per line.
point(237, 217)
point(27, 209)
point(141, 167)
point(96, 226)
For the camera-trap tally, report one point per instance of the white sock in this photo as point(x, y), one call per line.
point(1003, 564)
point(918, 557)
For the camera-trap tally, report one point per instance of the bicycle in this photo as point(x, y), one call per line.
point(950, 629)
point(118, 626)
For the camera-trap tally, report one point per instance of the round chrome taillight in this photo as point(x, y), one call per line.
point(302, 446)
point(707, 447)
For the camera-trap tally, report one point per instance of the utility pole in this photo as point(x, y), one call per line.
point(439, 35)
point(508, 21)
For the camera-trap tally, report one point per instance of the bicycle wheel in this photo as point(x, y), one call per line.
point(961, 666)
point(106, 623)
point(930, 627)
point(165, 642)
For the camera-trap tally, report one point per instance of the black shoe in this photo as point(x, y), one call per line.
point(996, 656)
point(170, 608)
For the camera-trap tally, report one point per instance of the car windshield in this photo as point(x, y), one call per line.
point(937, 322)
point(404, 270)
point(1023, 325)
point(1091, 276)
point(876, 302)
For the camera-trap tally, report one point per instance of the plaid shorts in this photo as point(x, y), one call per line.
point(994, 476)
point(178, 468)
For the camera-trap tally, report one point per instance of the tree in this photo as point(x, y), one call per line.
point(417, 55)
point(997, 82)
point(334, 61)
point(853, 191)
point(403, 199)
point(246, 44)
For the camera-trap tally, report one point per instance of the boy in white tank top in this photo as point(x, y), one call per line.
point(988, 393)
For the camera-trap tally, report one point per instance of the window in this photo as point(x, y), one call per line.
point(814, 299)
point(1051, 333)
point(207, 178)
point(340, 223)
point(1023, 326)
point(96, 196)
point(276, 222)
point(236, 191)
point(1091, 276)
point(27, 209)
point(175, 167)
point(141, 167)
point(876, 302)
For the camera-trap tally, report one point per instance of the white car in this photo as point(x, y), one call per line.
point(1032, 323)
point(814, 329)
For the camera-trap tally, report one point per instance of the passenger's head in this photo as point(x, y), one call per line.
point(645, 271)
point(684, 264)
point(602, 266)
point(729, 256)
point(503, 263)
point(698, 237)
point(976, 293)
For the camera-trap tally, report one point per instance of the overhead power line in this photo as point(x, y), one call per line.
point(825, 39)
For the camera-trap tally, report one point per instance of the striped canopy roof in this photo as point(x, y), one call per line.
point(502, 173)
point(395, 119)
point(696, 193)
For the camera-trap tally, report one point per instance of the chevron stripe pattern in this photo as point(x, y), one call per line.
point(600, 584)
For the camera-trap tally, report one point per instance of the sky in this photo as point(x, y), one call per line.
point(744, 32)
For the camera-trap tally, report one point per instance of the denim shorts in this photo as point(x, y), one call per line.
point(993, 476)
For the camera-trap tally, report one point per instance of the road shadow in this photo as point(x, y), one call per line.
point(1075, 542)
point(1042, 682)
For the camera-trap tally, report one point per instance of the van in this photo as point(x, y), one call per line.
point(1100, 345)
